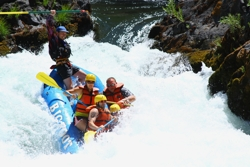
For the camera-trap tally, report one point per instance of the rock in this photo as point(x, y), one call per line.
point(29, 31)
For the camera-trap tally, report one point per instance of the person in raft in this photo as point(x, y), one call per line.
point(86, 94)
point(116, 92)
point(60, 52)
point(98, 116)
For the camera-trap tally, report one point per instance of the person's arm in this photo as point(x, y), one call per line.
point(50, 24)
point(129, 96)
point(75, 92)
point(93, 114)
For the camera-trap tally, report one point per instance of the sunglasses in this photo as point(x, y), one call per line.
point(103, 101)
point(111, 85)
point(90, 82)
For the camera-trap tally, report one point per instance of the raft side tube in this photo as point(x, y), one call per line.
point(69, 138)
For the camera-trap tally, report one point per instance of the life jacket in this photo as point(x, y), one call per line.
point(61, 51)
point(88, 99)
point(61, 54)
point(102, 118)
point(116, 95)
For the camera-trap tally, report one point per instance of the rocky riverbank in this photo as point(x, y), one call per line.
point(28, 31)
point(203, 38)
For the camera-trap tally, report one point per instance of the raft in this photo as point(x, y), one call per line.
point(68, 138)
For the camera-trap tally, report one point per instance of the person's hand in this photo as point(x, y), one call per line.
point(106, 110)
point(53, 12)
point(74, 96)
point(102, 129)
point(126, 102)
point(115, 118)
point(102, 126)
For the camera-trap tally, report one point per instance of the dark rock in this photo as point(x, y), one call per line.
point(28, 30)
point(6, 1)
point(155, 30)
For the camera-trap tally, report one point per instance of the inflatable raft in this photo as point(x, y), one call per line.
point(68, 138)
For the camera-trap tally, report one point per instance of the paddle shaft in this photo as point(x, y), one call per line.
point(41, 12)
point(99, 129)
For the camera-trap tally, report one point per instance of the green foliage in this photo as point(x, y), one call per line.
point(4, 29)
point(233, 21)
point(13, 9)
point(248, 3)
point(45, 2)
point(242, 68)
point(217, 42)
point(171, 10)
point(63, 18)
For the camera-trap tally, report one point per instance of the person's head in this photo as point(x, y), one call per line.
point(114, 108)
point(111, 84)
point(100, 101)
point(90, 80)
point(62, 32)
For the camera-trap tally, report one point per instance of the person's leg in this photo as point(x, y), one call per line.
point(65, 71)
point(81, 124)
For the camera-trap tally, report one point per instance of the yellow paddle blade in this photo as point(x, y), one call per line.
point(45, 78)
point(22, 12)
point(89, 136)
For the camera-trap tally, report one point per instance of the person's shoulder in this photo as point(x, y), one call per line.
point(126, 92)
point(94, 110)
point(124, 89)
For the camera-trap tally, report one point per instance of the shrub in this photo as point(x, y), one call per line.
point(13, 9)
point(63, 18)
point(4, 29)
point(233, 21)
point(171, 10)
point(45, 2)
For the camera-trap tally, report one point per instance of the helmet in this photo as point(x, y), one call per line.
point(114, 108)
point(61, 28)
point(90, 77)
point(99, 98)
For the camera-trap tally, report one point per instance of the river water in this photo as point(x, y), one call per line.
point(124, 23)
point(174, 121)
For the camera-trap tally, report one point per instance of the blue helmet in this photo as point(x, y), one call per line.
point(61, 28)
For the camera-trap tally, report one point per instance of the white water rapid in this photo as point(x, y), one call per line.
point(174, 121)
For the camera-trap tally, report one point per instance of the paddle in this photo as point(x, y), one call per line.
point(89, 136)
point(45, 78)
point(42, 12)
point(112, 102)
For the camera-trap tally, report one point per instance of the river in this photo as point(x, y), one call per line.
point(174, 121)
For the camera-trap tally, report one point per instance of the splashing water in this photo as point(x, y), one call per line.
point(174, 121)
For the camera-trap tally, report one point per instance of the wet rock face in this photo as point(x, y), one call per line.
point(239, 85)
point(200, 26)
point(6, 1)
point(28, 31)
point(233, 78)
